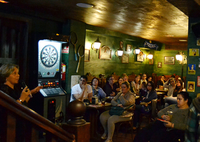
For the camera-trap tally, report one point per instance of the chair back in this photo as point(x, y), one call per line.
point(154, 104)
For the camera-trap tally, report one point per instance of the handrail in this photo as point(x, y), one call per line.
point(12, 105)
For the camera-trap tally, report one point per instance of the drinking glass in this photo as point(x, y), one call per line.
point(103, 101)
point(170, 114)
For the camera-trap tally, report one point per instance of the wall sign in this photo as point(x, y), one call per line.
point(191, 68)
point(193, 52)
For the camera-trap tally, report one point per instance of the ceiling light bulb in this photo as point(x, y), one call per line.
point(84, 5)
point(3, 1)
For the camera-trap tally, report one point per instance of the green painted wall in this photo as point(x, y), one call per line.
point(166, 68)
point(192, 43)
point(112, 39)
point(69, 59)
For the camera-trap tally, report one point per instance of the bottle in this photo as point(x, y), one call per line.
point(95, 99)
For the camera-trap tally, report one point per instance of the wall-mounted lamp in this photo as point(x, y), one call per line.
point(137, 51)
point(179, 57)
point(182, 60)
point(150, 56)
point(119, 52)
point(97, 44)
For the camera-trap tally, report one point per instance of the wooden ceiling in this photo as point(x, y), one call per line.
point(157, 20)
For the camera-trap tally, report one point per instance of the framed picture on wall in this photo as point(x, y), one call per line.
point(125, 58)
point(150, 61)
point(140, 56)
point(159, 65)
point(105, 53)
point(193, 52)
point(87, 55)
point(198, 41)
point(198, 81)
point(191, 86)
point(169, 60)
point(191, 68)
point(128, 47)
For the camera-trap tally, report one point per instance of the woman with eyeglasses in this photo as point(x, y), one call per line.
point(98, 91)
point(145, 104)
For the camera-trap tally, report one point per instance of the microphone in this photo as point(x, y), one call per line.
point(23, 85)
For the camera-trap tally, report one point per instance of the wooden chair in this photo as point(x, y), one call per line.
point(131, 77)
point(150, 116)
point(116, 77)
point(89, 78)
point(128, 124)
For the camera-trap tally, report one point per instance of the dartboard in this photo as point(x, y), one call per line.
point(49, 56)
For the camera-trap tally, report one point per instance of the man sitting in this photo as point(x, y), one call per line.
point(82, 90)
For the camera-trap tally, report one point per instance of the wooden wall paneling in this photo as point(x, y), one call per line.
point(11, 127)
point(4, 52)
point(23, 59)
point(12, 43)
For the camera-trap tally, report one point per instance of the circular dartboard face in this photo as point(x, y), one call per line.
point(49, 56)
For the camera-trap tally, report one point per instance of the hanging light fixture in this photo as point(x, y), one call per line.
point(97, 44)
point(120, 50)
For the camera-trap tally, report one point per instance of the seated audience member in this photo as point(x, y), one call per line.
point(171, 85)
point(136, 85)
point(168, 128)
point(173, 99)
point(125, 78)
point(161, 81)
point(144, 79)
point(110, 87)
point(9, 76)
point(119, 84)
point(173, 76)
point(145, 104)
point(122, 99)
point(149, 79)
point(143, 90)
point(82, 90)
point(192, 133)
point(98, 91)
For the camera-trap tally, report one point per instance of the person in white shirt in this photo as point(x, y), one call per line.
point(82, 90)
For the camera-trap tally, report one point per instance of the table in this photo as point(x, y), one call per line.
point(93, 111)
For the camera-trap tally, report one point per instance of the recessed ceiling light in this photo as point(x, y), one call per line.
point(169, 35)
point(84, 5)
point(182, 40)
point(4, 1)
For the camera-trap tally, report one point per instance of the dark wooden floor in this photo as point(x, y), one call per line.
point(124, 135)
